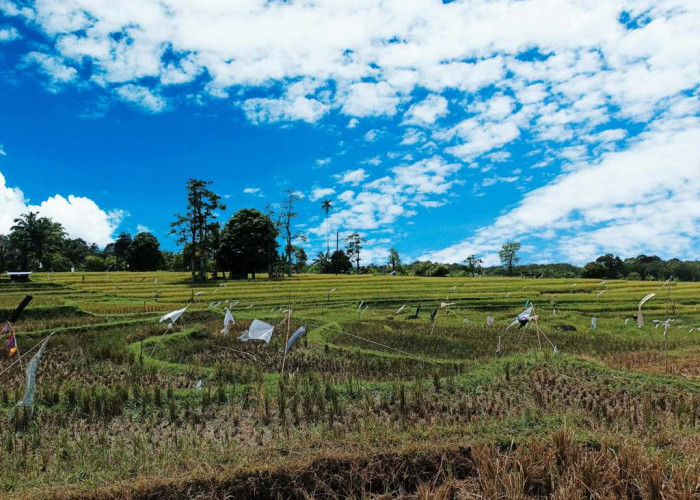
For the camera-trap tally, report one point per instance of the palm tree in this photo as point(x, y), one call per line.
point(36, 237)
point(326, 206)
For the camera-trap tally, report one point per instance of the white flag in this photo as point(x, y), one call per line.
point(228, 320)
point(30, 386)
point(173, 316)
point(258, 330)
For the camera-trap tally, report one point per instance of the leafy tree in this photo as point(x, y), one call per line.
point(322, 263)
point(473, 264)
point(121, 250)
point(37, 238)
point(509, 256)
point(144, 253)
point(340, 262)
point(354, 247)
point(76, 251)
point(194, 226)
point(300, 259)
point(248, 242)
point(327, 206)
point(594, 270)
point(394, 259)
point(614, 265)
point(173, 261)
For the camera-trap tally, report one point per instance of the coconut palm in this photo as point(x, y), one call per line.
point(326, 206)
point(36, 237)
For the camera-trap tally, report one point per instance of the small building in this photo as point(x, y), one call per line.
point(19, 276)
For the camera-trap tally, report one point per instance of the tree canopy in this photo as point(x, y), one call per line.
point(248, 243)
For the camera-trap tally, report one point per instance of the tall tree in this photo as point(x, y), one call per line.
point(193, 227)
point(248, 242)
point(36, 238)
point(286, 217)
point(144, 253)
point(473, 264)
point(394, 259)
point(509, 256)
point(354, 247)
point(121, 249)
point(327, 206)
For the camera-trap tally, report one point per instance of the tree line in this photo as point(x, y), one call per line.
point(254, 241)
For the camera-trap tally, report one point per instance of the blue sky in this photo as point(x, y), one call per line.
point(441, 129)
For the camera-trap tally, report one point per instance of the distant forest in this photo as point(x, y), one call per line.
point(40, 244)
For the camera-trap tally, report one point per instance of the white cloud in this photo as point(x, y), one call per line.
point(322, 162)
point(591, 73)
point(369, 99)
point(253, 190)
point(81, 217)
point(142, 97)
point(140, 228)
point(58, 73)
point(9, 34)
point(2, 150)
point(427, 111)
point(643, 199)
point(412, 136)
point(353, 177)
point(372, 135)
point(318, 193)
point(381, 202)
point(261, 110)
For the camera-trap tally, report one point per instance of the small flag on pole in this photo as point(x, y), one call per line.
point(11, 344)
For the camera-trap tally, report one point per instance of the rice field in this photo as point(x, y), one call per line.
point(372, 402)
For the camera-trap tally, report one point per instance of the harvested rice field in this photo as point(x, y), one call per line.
point(399, 389)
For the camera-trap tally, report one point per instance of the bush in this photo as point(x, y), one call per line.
point(634, 276)
point(94, 263)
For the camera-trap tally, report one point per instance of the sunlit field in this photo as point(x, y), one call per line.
point(371, 403)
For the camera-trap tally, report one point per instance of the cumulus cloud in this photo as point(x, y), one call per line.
point(427, 111)
point(352, 176)
point(642, 199)
point(576, 80)
point(318, 193)
point(81, 217)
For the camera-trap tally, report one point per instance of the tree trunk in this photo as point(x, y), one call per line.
point(193, 251)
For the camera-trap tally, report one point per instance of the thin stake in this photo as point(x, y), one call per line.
point(284, 358)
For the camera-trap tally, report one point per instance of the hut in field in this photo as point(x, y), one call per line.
point(19, 276)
